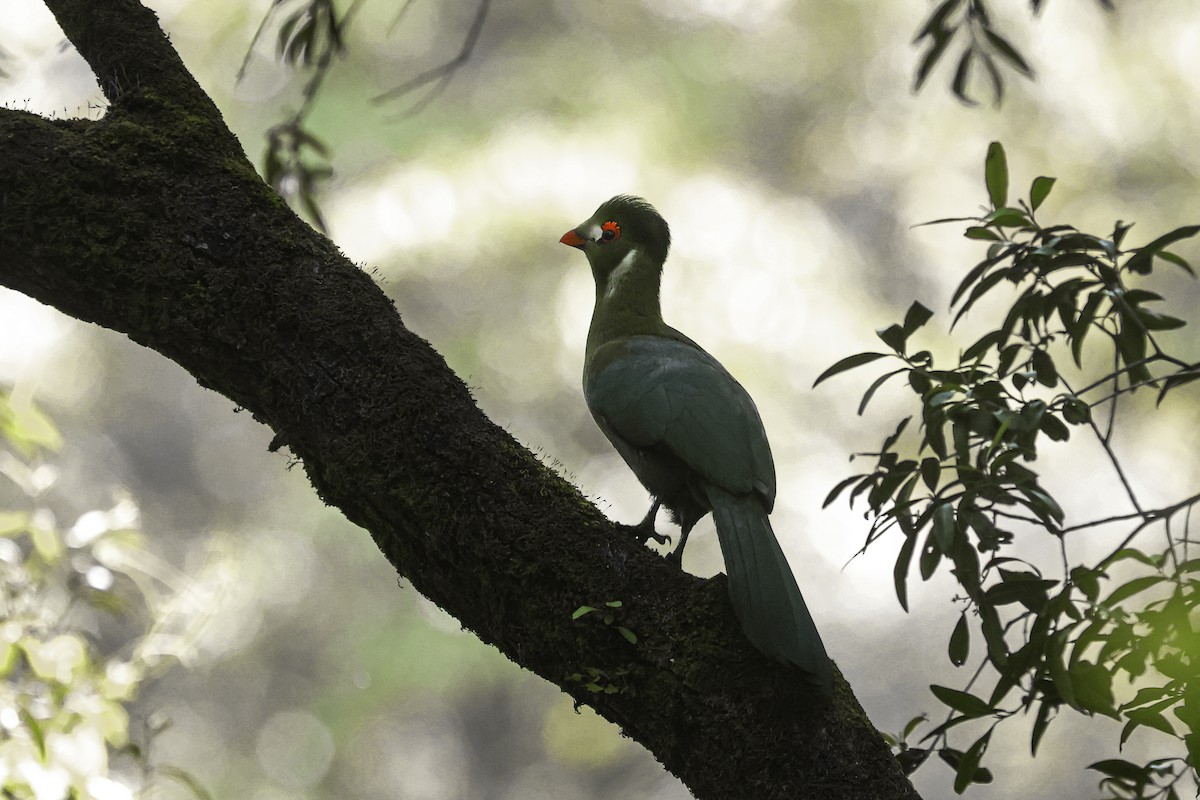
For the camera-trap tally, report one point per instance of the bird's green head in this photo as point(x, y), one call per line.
point(619, 227)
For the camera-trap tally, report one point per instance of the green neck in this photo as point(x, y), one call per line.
point(628, 307)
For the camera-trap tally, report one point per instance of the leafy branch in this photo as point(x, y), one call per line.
point(311, 38)
point(969, 23)
point(963, 493)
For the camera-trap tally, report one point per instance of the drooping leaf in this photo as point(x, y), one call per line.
point(1040, 724)
point(931, 470)
point(1140, 261)
point(1120, 768)
point(1130, 588)
point(995, 173)
point(894, 337)
point(1006, 51)
point(874, 387)
point(916, 316)
point(943, 527)
point(940, 41)
point(968, 771)
point(849, 362)
point(960, 642)
point(841, 487)
point(1039, 191)
point(900, 571)
point(963, 702)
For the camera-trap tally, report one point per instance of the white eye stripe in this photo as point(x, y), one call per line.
point(594, 233)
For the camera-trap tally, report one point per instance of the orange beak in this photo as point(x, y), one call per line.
point(573, 239)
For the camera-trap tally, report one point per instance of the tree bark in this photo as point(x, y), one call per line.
point(151, 221)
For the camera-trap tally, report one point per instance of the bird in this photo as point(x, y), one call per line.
point(689, 431)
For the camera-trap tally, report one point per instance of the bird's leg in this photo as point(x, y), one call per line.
point(676, 555)
point(644, 530)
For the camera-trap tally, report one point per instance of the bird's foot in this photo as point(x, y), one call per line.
point(675, 557)
point(644, 533)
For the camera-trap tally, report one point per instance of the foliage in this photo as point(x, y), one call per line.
point(311, 37)
point(970, 22)
point(1114, 636)
point(592, 678)
point(89, 616)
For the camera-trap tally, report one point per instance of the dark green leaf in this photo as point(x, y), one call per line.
point(1131, 553)
point(931, 470)
point(1088, 582)
point(1075, 411)
point(1007, 218)
point(1093, 688)
point(916, 316)
point(993, 635)
point(943, 527)
point(968, 771)
point(880, 381)
point(1151, 719)
point(900, 571)
point(1008, 52)
point(1040, 724)
point(995, 172)
point(1043, 367)
point(912, 725)
point(980, 290)
point(1185, 375)
point(1053, 427)
point(961, 76)
point(966, 704)
point(1007, 356)
point(1172, 258)
point(1155, 321)
point(937, 20)
point(940, 41)
point(1083, 324)
point(1039, 191)
point(973, 275)
point(1043, 505)
point(1193, 747)
point(982, 345)
point(1127, 590)
point(1120, 768)
point(960, 642)
point(892, 439)
point(986, 234)
point(841, 487)
point(849, 362)
point(1139, 262)
point(931, 554)
point(894, 337)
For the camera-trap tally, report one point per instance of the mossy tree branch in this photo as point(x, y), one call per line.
point(152, 222)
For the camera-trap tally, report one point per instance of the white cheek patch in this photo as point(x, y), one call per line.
point(593, 233)
point(618, 274)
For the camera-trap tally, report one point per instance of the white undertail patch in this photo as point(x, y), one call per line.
point(619, 272)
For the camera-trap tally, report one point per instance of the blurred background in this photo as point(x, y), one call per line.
point(782, 143)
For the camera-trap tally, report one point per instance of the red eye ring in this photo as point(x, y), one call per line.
point(609, 231)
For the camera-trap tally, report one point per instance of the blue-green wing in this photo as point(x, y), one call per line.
point(657, 392)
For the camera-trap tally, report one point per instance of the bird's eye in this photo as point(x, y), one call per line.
point(609, 231)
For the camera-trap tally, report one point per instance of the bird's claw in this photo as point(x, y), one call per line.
point(644, 533)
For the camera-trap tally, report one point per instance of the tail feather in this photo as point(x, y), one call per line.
point(763, 590)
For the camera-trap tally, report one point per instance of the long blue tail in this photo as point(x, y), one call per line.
point(765, 596)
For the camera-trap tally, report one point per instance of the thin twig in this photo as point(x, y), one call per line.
point(440, 74)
